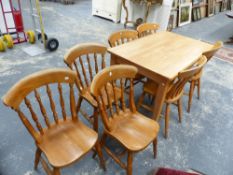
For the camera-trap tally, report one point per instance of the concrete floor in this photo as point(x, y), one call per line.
point(204, 139)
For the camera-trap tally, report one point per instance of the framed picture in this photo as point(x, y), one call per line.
point(198, 2)
point(196, 13)
point(210, 10)
point(185, 13)
point(174, 4)
point(172, 20)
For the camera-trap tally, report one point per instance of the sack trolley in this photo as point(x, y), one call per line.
point(49, 43)
point(14, 32)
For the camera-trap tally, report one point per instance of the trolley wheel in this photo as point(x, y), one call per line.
point(52, 44)
point(2, 46)
point(9, 41)
point(31, 36)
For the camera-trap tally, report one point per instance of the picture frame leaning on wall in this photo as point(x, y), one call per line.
point(185, 14)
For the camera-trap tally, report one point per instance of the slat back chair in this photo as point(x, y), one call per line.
point(122, 37)
point(61, 129)
point(147, 29)
point(86, 60)
point(196, 80)
point(174, 92)
point(122, 122)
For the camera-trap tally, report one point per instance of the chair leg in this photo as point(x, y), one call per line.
point(180, 109)
point(80, 99)
point(155, 147)
point(99, 152)
point(130, 163)
point(140, 101)
point(56, 171)
point(37, 158)
point(198, 88)
point(95, 117)
point(191, 89)
point(167, 118)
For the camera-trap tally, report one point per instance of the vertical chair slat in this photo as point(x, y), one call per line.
point(122, 95)
point(115, 96)
point(103, 61)
point(42, 108)
point(28, 125)
point(72, 103)
point(52, 105)
point(96, 63)
point(131, 96)
point(62, 103)
point(84, 71)
point(89, 67)
point(34, 116)
point(79, 76)
point(107, 89)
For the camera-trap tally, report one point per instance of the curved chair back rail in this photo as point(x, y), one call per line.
point(210, 53)
point(147, 29)
point(183, 77)
point(86, 59)
point(122, 37)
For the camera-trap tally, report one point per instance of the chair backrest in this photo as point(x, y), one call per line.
point(122, 37)
point(114, 76)
point(210, 53)
point(147, 29)
point(184, 76)
point(87, 60)
point(29, 93)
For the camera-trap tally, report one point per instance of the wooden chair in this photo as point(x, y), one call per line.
point(133, 130)
point(196, 80)
point(121, 37)
point(147, 29)
point(87, 60)
point(175, 91)
point(61, 138)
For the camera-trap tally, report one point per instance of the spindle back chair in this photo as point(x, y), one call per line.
point(87, 60)
point(122, 37)
point(196, 80)
point(175, 91)
point(147, 29)
point(52, 128)
point(122, 122)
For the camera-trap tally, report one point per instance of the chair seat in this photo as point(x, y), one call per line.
point(86, 93)
point(134, 130)
point(67, 142)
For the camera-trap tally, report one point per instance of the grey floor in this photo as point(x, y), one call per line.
point(204, 139)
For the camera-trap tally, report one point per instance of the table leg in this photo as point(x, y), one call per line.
point(159, 100)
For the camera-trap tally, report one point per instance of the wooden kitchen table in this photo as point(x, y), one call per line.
point(159, 57)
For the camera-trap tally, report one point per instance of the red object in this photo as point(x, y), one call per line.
point(167, 171)
point(18, 27)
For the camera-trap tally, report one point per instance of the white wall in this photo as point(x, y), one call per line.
point(9, 17)
point(158, 13)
